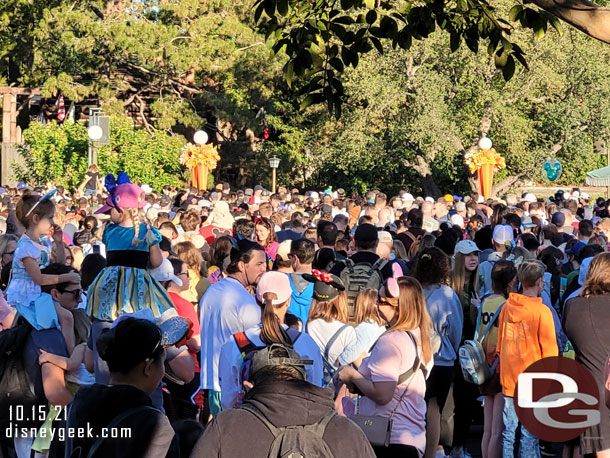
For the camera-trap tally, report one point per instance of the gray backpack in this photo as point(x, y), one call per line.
point(304, 441)
point(357, 277)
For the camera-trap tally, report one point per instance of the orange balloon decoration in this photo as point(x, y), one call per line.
point(200, 159)
point(485, 162)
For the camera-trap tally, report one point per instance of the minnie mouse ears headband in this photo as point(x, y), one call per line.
point(326, 286)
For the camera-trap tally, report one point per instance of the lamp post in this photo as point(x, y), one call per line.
point(274, 163)
point(98, 132)
point(94, 133)
point(200, 173)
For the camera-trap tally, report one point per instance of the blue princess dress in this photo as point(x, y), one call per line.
point(124, 285)
point(25, 295)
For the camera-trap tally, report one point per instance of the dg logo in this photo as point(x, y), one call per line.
point(557, 399)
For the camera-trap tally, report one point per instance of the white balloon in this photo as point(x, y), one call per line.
point(95, 133)
point(485, 143)
point(200, 137)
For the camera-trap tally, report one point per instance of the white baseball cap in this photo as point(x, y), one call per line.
point(165, 272)
point(407, 196)
point(384, 237)
point(529, 197)
point(457, 220)
point(430, 199)
point(503, 234)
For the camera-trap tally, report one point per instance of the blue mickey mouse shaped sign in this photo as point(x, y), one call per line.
point(552, 169)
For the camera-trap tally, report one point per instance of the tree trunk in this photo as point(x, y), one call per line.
point(582, 14)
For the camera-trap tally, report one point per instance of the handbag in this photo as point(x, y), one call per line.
point(377, 428)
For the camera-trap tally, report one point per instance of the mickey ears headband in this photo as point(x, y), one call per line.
point(111, 184)
point(43, 198)
point(324, 277)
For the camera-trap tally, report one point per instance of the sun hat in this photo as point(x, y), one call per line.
point(274, 282)
point(466, 247)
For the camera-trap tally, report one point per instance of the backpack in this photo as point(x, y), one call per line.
point(329, 368)
point(299, 441)
point(356, 277)
point(414, 247)
point(17, 398)
point(248, 349)
point(473, 360)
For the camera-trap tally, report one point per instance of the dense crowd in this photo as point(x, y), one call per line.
point(245, 323)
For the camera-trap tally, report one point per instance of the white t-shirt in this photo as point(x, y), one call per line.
point(322, 331)
point(230, 360)
point(225, 309)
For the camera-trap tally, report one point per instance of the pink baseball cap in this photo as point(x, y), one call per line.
point(274, 282)
point(127, 195)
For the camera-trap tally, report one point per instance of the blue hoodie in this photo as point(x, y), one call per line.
point(447, 318)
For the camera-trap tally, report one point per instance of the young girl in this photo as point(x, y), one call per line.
point(34, 252)
point(125, 286)
point(368, 328)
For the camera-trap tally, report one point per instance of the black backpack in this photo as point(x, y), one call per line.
point(303, 441)
point(19, 407)
point(356, 277)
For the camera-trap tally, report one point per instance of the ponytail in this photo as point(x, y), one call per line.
point(272, 331)
point(134, 214)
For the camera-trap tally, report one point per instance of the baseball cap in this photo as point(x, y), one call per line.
point(366, 233)
point(165, 272)
point(448, 198)
point(204, 203)
point(429, 199)
point(274, 282)
point(584, 195)
point(278, 355)
point(283, 250)
point(466, 247)
point(503, 234)
point(146, 188)
point(314, 195)
point(558, 219)
point(407, 196)
point(258, 187)
point(21, 185)
point(526, 221)
point(460, 207)
point(457, 220)
point(384, 237)
point(248, 192)
point(576, 248)
point(529, 197)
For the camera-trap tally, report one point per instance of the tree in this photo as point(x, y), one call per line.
point(323, 38)
point(58, 153)
point(411, 117)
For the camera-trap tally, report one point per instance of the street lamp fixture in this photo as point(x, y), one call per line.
point(200, 137)
point(274, 163)
point(485, 143)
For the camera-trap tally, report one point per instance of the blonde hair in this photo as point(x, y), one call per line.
point(134, 214)
point(365, 307)
point(412, 313)
point(530, 271)
point(458, 276)
point(598, 277)
point(335, 309)
point(78, 255)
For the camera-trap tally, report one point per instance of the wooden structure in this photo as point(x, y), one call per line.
point(14, 99)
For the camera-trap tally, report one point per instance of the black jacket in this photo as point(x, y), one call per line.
point(94, 407)
point(237, 433)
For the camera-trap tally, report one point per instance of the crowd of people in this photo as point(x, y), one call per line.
point(245, 323)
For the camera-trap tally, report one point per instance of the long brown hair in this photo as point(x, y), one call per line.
point(188, 253)
point(412, 313)
point(272, 331)
point(459, 275)
point(365, 307)
point(335, 309)
point(598, 277)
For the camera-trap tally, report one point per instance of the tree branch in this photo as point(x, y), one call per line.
point(582, 14)
point(149, 128)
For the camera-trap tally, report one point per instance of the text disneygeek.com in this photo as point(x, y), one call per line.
point(62, 434)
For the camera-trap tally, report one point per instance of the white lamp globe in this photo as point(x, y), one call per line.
point(95, 133)
point(485, 143)
point(200, 137)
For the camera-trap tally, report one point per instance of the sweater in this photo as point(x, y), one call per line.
point(445, 311)
point(526, 334)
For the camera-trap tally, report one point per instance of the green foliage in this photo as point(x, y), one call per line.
point(322, 39)
point(58, 153)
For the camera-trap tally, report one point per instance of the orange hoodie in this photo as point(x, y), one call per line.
point(526, 334)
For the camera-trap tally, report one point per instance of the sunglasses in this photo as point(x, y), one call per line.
point(76, 292)
point(44, 198)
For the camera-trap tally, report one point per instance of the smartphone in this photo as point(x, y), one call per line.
point(96, 249)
